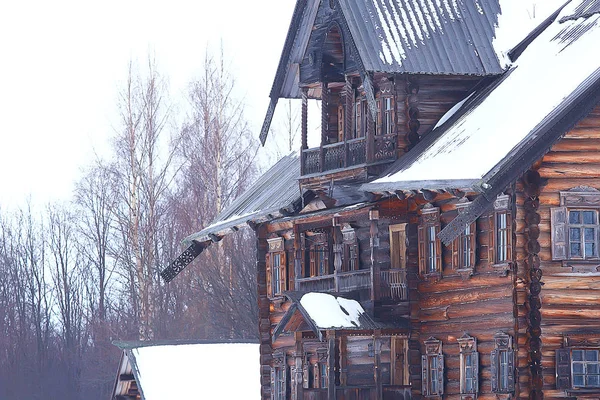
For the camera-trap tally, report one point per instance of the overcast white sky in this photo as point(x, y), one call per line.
point(63, 61)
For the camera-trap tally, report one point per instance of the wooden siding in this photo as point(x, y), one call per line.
point(570, 300)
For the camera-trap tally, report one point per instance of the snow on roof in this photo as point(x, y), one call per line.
point(518, 18)
point(198, 371)
point(328, 311)
point(549, 70)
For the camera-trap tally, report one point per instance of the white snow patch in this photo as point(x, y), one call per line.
point(326, 310)
point(517, 19)
point(481, 138)
point(205, 368)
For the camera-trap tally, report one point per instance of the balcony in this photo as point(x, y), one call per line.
point(349, 153)
point(393, 283)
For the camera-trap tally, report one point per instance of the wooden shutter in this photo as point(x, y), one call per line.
point(282, 272)
point(358, 119)
point(563, 368)
point(379, 130)
point(492, 238)
point(440, 363)
point(422, 250)
point(306, 374)
point(511, 370)
point(273, 394)
point(509, 238)
point(291, 271)
point(494, 369)
point(303, 255)
point(425, 376)
point(326, 257)
point(456, 251)
point(340, 122)
point(438, 249)
point(293, 382)
point(559, 232)
point(284, 372)
point(473, 236)
point(475, 371)
point(269, 276)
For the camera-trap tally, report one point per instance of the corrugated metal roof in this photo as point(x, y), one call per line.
point(480, 140)
point(276, 189)
point(425, 36)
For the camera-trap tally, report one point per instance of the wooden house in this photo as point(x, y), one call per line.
point(442, 241)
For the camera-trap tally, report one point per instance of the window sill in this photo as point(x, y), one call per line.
point(582, 265)
point(502, 268)
point(465, 273)
point(432, 276)
point(584, 392)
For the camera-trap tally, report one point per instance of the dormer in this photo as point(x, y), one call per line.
point(383, 75)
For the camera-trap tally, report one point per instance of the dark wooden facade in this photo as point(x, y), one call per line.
point(468, 320)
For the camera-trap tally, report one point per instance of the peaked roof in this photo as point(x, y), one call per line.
point(500, 132)
point(323, 311)
point(155, 370)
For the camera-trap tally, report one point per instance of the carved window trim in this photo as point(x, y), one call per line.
point(276, 267)
point(500, 234)
point(465, 245)
point(469, 367)
point(430, 246)
point(565, 364)
point(502, 360)
point(581, 199)
point(351, 258)
point(432, 368)
point(279, 372)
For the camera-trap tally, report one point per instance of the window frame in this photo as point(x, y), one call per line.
point(582, 199)
point(276, 250)
point(565, 365)
point(279, 381)
point(502, 210)
point(468, 371)
point(432, 369)
point(430, 246)
point(503, 378)
point(351, 250)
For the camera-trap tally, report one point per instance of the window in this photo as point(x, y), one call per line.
point(350, 261)
point(469, 365)
point(316, 373)
point(279, 377)
point(578, 368)
point(463, 247)
point(430, 248)
point(502, 364)
point(276, 267)
point(585, 368)
point(500, 232)
point(360, 118)
point(575, 225)
point(317, 249)
point(388, 116)
point(432, 366)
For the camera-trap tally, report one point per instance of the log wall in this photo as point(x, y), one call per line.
point(570, 298)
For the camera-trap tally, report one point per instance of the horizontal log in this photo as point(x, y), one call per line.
point(468, 295)
point(582, 297)
point(587, 130)
point(569, 312)
point(571, 283)
point(573, 157)
point(575, 145)
point(474, 283)
point(557, 170)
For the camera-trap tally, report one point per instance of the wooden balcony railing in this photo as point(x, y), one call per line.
point(393, 284)
point(348, 154)
point(325, 283)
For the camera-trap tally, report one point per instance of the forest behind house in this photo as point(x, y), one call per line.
point(76, 275)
